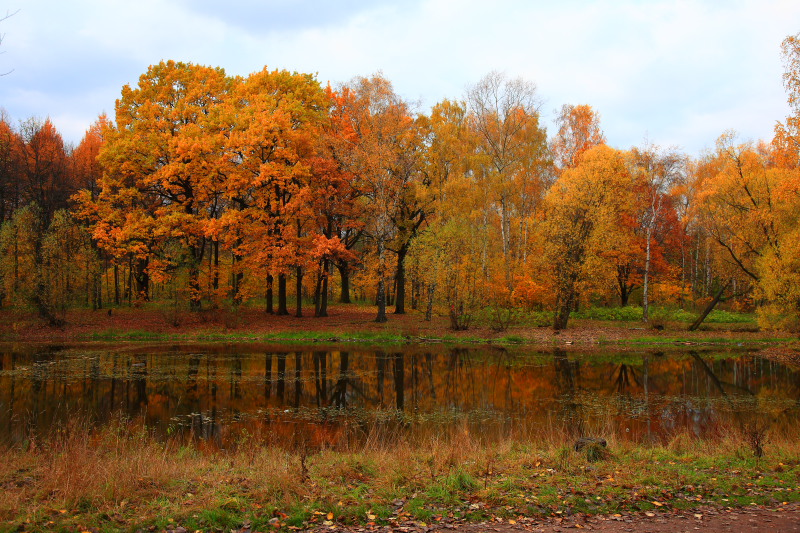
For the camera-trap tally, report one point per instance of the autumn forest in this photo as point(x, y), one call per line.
point(206, 190)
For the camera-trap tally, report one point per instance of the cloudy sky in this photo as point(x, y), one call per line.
point(674, 73)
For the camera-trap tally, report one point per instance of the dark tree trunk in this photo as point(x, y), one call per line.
point(299, 302)
point(117, 300)
point(710, 307)
point(142, 278)
point(321, 293)
point(344, 272)
point(215, 283)
point(381, 302)
point(194, 287)
point(282, 310)
point(623, 273)
point(566, 301)
point(624, 295)
point(98, 290)
point(269, 308)
point(429, 309)
point(238, 277)
point(400, 282)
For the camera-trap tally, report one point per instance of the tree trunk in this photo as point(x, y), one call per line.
point(344, 273)
point(322, 291)
point(215, 283)
point(269, 308)
point(282, 310)
point(429, 310)
point(400, 282)
point(563, 309)
point(142, 278)
point(646, 282)
point(710, 307)
point(623, 273)
point(299, 302)
point(381, 301)
point(194, 287)
point(116, 285)
point(238, 277)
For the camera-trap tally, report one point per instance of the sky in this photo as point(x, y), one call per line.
point(673, 73)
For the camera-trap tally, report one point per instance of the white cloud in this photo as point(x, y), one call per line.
point(681, 71)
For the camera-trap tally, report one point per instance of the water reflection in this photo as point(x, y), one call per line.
point(217, 393)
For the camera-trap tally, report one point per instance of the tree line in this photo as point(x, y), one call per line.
point(208, 189)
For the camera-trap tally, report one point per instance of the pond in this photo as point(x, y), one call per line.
point(326, 395)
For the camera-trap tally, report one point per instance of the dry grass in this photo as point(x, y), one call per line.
point(121, 477)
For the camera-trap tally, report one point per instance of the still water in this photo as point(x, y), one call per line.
point(219, 393)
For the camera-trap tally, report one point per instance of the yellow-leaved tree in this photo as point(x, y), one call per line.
point(583, 211)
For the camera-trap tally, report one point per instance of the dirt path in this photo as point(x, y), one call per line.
point(783, 519)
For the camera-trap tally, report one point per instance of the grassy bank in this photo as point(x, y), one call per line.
point(350, 323)
point(120, 478)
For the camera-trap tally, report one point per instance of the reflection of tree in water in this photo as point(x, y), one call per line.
point(621, 378)
point(236, 377)
point(137, 372)
point(339, 393)
point(207, 427)
point(321, 377)
point(454, 381)
point(399, 380)
point(429, 372)
point(298, 383)
point(191, 375)
point(567, 377)
point(746, 412)
point(281, 376)
point(267, 375)
point(460, 378)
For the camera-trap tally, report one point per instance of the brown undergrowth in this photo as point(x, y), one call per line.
point(122, 478)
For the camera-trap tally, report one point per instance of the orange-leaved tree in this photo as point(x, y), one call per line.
point(163, 167)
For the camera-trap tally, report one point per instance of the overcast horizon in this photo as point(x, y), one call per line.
point(673, 73)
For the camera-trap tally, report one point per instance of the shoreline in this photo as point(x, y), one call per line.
point(355, 324)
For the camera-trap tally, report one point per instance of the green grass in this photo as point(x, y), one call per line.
point(634, 313)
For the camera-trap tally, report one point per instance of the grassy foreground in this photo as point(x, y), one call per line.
point(121, 479)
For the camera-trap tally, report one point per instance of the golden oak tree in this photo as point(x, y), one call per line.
point(584, 208)
point(273, 163)
point(163, 157)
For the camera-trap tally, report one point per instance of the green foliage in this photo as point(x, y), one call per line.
point(633, 313)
